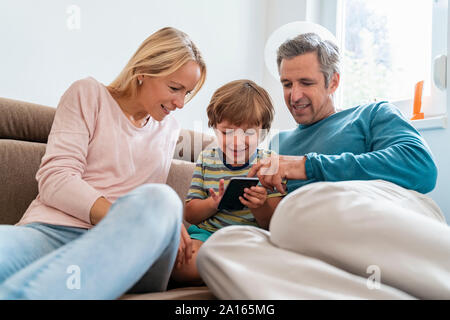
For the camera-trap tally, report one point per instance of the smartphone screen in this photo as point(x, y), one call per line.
point(235, 189)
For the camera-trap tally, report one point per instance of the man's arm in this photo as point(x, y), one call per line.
point(272, 171)
point(396, 153)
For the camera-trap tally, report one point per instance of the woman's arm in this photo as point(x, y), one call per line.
point(99, 210)
point(59, 177)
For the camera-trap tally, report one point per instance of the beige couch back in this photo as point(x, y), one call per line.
point(24, 128)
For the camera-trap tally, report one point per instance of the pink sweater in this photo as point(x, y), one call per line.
point(93, 150)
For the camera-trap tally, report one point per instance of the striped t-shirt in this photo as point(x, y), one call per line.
point(210, 168)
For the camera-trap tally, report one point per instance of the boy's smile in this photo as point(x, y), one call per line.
point(238, 143)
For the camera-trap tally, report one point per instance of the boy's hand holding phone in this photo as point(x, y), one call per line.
point(216, 197)
point(254, 197)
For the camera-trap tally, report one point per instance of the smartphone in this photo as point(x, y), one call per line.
point(230, 199)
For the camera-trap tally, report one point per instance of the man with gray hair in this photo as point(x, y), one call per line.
point(356, 223)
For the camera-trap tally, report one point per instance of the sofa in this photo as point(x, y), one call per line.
point(24, 128)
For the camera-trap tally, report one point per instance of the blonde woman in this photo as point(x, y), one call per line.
point(104, 222)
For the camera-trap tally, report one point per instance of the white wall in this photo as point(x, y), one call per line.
point(40, 56)
point(280, 12)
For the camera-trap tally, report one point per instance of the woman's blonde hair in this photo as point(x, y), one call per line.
point(241, 102)
point(161, 54)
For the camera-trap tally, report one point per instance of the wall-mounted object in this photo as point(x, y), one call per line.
point(440, 71)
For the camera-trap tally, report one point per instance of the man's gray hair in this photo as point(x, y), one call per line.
point(327, 52)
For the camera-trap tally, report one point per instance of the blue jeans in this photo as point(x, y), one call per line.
point(133, 249)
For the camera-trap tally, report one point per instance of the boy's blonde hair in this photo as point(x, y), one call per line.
point(241, 102)
point(161, 54)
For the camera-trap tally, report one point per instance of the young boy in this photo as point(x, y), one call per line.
point(240, 113)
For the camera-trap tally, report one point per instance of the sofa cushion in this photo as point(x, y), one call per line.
point(180, 175)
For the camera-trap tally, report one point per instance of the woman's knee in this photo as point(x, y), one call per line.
point(158, 195)
point(154, 204)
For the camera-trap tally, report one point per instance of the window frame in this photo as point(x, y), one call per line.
point(437, 104)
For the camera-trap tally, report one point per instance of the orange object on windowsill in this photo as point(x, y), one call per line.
point(417, 115)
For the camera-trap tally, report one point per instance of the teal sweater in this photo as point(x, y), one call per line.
point(367, 142)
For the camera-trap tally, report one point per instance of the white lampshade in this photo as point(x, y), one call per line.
point(289, 31)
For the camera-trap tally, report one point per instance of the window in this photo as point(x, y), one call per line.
point(387, 47)
point(385, 51)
